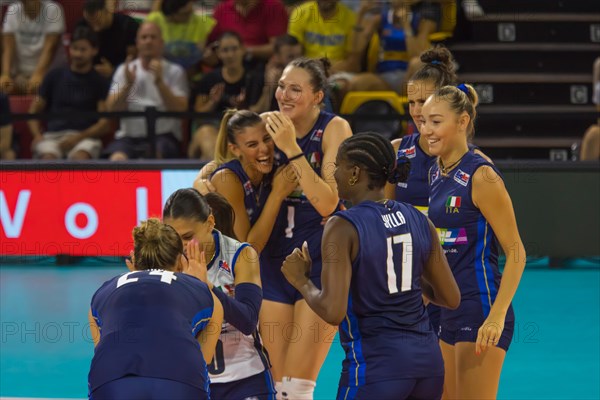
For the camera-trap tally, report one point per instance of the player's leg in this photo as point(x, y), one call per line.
point(309, 341)
point(450, 370)
point(478, 376)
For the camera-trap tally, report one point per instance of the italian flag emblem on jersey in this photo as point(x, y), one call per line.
point(453, 201)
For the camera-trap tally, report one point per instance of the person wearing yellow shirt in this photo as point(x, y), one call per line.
point(324, 28)
point(184, 33)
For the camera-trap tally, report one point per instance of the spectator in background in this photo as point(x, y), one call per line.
point(324, 29)
point(258, 22)
point(6, 131)
point(149, 80)
point(116, 35)
point(77, 88)
point(403, 27)
point(287, 49)
point(184, 33)
point(590, 146)
point(31, 36)
point(225, 87)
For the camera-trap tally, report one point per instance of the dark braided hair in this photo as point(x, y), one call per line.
point(375, 154)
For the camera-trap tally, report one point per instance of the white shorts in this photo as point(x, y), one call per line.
point(50, 145)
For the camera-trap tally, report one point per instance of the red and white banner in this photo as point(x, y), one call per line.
point(81, 213)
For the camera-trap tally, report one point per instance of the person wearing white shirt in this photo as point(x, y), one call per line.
point(149, 80)
point(31, 36)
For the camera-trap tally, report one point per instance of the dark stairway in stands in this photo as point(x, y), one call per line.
point(531, 63)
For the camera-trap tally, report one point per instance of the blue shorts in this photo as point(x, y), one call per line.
point(167, 146)
point(462, 325)
point(434, 317)
point(257, 387)
point(276, 288)
point(397, 389)
point(139, 387)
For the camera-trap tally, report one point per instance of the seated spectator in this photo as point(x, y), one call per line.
point(77, 88)
point(287, 48)
point(6, 131)
point(403, 27)
point(225, 87)
point(324, 29)
point(147, 81)
point(116, 35)
point(184, 33)
point(31, 36)
point(258, 22)
point(590, 146)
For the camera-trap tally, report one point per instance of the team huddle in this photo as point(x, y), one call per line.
point(299, 228)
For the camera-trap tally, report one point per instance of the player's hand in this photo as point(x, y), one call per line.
point(489, 333)
point(34, 83)
point(282, 130)
point(285, 180)
point(196, 265)
point(297, 266)
point(130, 262)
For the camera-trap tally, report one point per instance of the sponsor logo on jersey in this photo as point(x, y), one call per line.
point(453, 236)
point(316, 137)
point(462, 177)
point(453, 204)
point(435, 175)
point(410, 152)
point(403, 185)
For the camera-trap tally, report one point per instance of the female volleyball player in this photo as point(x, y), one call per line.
point(387, 255)
point(245, 176)
point(154, 328)
point(308, 139)
point(240, 368)
point(472, 211)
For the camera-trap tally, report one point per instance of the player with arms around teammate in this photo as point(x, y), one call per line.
point(473, 212)
point(383, 256)
point(240, 368)
point(154, 327)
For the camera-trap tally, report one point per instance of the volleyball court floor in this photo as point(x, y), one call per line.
point(45, 347)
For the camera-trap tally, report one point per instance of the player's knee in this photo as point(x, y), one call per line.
point(297, 389)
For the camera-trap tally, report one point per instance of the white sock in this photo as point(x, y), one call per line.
point(278, 386)
point(297, 389)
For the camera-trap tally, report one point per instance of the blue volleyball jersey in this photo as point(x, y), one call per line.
point(386, 332)
point(415, 190)
point(148, 324)
point(254, 197)
point(466, 236)
point(299, 220)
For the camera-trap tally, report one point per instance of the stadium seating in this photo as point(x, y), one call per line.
point(533, 72)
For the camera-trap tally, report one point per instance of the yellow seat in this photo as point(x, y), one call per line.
point(353, 100)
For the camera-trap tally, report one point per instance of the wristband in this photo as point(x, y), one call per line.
point(297, 156)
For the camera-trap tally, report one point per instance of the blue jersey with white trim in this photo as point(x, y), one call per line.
point(237, 356)
point(148, 324)
point(386, 321)
point(254, 197)
point(466, 236)
point(415, 190)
